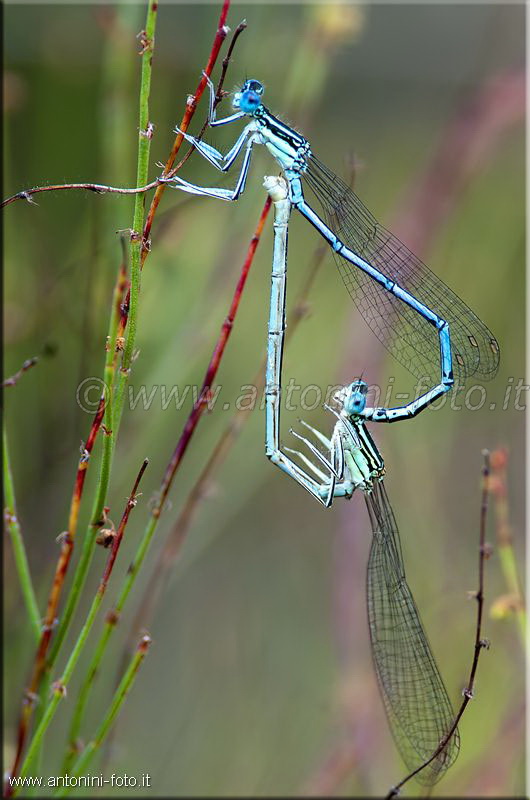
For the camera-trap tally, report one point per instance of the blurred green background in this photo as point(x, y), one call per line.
point(259, 681)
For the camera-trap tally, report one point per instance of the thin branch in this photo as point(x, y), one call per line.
point(116, 539)
point(12, 522)
point(137, 242)
point(139, 250)
point(480, 643)
point(114, 709)
point(60, 686)
point(13, 380)
point(144, 544)
point(19, 551)
point(98, 188)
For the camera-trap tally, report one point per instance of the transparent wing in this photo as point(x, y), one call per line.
point(416, 702)
point(404, 332)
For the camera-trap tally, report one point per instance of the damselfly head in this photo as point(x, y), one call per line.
point(248, 99)
point(355, 397)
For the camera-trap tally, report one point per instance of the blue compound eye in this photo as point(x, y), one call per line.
point(250, 100)
point(254, 86)
point(355, 403)
point(356, 400)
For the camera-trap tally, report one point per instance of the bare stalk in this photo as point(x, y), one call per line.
point(484, 552)
point(12, 521)
point(114, 709)
point(60, 686)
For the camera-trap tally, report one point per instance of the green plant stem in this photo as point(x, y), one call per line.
point(115, 403)
point(99, 651)
point(19, 551)
point(137, 242)
point(113, 711)
point(60, 686)
point(96, 517)
point(44, 694)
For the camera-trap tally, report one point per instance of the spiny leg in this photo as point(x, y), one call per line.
point(221, 194)
point(337, 452)
point(219, 161)
point(320, 436)
point(322, 477)
point(316, 452)
point(292, 469)
point(212, 120)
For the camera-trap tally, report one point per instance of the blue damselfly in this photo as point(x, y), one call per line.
point(422, 322)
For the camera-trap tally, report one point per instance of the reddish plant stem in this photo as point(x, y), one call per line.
point(480, 643)
point(117, 539)
point(189, 111)
point(120, 301)
point(218, 91)
point(211, 371)
point(67, 546)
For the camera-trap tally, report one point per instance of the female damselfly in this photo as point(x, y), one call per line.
point(418, 708)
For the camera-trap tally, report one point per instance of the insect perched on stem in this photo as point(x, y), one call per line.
point(415, 315)
point(429, 330)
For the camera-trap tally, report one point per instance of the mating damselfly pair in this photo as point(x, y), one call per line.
point(429, 330)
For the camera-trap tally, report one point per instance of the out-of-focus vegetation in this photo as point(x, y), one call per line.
point(260, 669)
